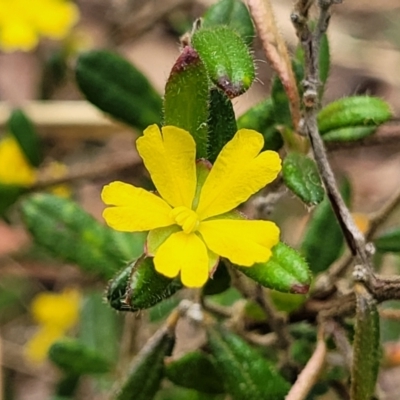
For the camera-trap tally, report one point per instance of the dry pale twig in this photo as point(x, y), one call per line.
point(276, 52)
point(310, 373)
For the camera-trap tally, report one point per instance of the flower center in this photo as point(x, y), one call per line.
point(186, 218)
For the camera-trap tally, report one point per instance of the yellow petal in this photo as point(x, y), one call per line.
point(238, 172)
point(135, 208)
point(170, 159)
point(186, 253)
point(243, 242)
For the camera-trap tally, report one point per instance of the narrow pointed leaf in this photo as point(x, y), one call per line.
point(301, 176)
point(231, 13)
point(95, 313)
point(147, 370)
point(75, 358)
point(227, 59)
point(23, 130)
point(349, 133)
point(286, 271)
point(68, 232)
point(195, 371)
point(388, 241)
point(366, 355)
point(116, 87)
point(221, 124)
point(356, 111)
point(186, 98)
point(139, 287)
point(261, 118)
point(246, 374)
point(323, 240)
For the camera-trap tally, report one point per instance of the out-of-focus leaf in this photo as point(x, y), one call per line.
point(388, 241)
point(147, 370)
point(220, 281)
point(227, 59)
point(285, 271)
point(246, 374)
point(186, 98)
point(116, 87)
point(9, 194)
point(95, 313)
point(195, 371)
point(23, 130)
point(231, 13)
point(323, 240)
point(75, 358)
point(261, 118)
point(301, 176)
point(69, 233)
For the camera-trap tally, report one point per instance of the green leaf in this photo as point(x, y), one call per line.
point(281, 108)
point(9, 194)
point(139, 286)
point(285, 271)
point(355, 111)
point(221, 124)
point(261, 118)
point(366, 357)
point(116, 87)
point(95, 313)
point(75, 358)
point(180, 393)
point(220, 281)
point(324, 59)
point(23, 130)
point(301, 176)
point(388, 241)
point(186, 98)
point(231, 13)
point(145, 374)
point(246, 374)
point(323, 240)
point(227, 59)
point(66, 387)
point(195, 371)
point(71, 234)
point(349, 133)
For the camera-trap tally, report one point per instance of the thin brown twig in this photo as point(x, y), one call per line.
point(310, 373)
point(275, 319)
point(100, 168)
point(326, 281)
point(276, 52)
point(310, 42)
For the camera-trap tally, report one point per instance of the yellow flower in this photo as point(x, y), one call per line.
point(14, 166)
point(190, 220)
point(55, 313)
point(23, 21)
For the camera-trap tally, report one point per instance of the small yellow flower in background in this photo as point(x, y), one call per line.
point(190, 219)
point(14, 166)
point(55, 313)
point(22, 22)
point(56, 169)
point(362, 221)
